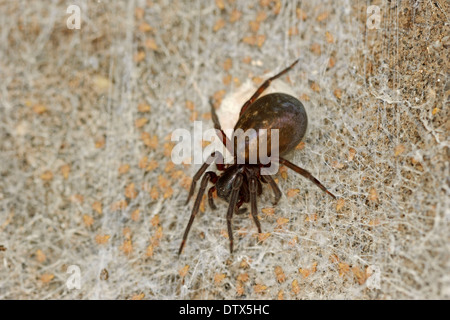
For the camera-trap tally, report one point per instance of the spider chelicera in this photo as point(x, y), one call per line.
point(239, 182)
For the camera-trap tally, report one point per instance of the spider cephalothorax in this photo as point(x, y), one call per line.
point(241, 182)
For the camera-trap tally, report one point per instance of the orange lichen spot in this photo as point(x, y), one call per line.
point(263, 236)
point(139, 56)
point(240, 290)
point(247, 59)
point(315, 86)
point(155, 220)
point(119, 205)
point(76, 198)
point(351, 154)
point(343, 268)
point(193, 116)
point(127, 247)
point(293, 31)
point(301, 14)
point(40, 256)
point(399, 150)
point(337, 165)
point(244, 264)
point(145, 27)
point(97, 207)
point(259, 288)
point(292, 192)
point(139, 13)
point(435, 110)
point(329, 37)
point(373, 195)
point(315, 48)
point(281, 221)
point(169, 166)
point(139, 123)
point(189, 105)
point(311, 217)
point(163, 182)
point(277, 7)
point(322, 16)
point(228, 63)
point(340, 204)
point(283, 172)
point(139, 296)
point(135, 215)
point(331, 63)
point(304, 97)
point(151, 44)
point(334, 258)
point(260, 39)
point(235, 15)
point(374, 222)
point(220, 4)
point(65, 170)
point(88, 220)
point(149, 251)
point(142, 107)
point(254, 26)
point(261, 16)
point(280, 295)
point(124, 168)
point(218, 278)
point(295, 286)
point(218, 96)
point(219, 25)
point(360, 275)
point(100, 143)
point(130, 191)
point(183, 271)
point(169, 192)
point(143, 162)
point(279, 273)
point(47, 277)
point(152, 165)
point(304, 272)
point(293, 241)
point(154, 194)
point(243, 277)
point(47, 176)
point(39, 109)
point(149, 141)
point(167, 149)
point(102, 238)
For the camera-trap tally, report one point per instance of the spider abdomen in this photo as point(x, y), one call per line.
point(278, 111)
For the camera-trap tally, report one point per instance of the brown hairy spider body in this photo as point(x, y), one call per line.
point(239, 182)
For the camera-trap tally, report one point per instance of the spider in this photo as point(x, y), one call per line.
point(239, 182)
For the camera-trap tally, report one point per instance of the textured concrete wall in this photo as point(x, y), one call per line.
point(86, 177)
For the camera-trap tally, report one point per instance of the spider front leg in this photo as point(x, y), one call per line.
point(253, 187)
point(237, 182)
point(208, 176)
point(276, 190)
point(217, 156)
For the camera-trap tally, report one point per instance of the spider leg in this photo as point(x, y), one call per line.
point(215, 155)
point(263, 87)
point(233, 201)
point(210, 198)
point(306, 174)
point(198, 200)
point(220, 133)
point(276, 191)
point(253, 186)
